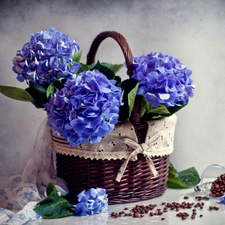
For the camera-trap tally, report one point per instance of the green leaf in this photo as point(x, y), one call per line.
point(51, 90)
point(77, 56)
point(189, 177)
point(54, 206)
point(114, 67)
point(131, 98)
point(149, 112)
point(105, 70)
point(37, 98)
point(84, 67)
point(15, 93)
point(41, 88)
point(130, 87)
point(54, 86)
point(183, 179)
point(50, 188)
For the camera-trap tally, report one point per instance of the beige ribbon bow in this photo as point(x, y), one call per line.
point(139, 148)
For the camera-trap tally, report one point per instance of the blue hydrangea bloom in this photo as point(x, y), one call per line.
point(163, 79)
point(93, 201)
point(86, 108)
point(46, 57)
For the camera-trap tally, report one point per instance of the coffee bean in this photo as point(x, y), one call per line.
point(140, 210)
point(213, 208)
point(218, 187)
point(160, 213)
point(151, 213)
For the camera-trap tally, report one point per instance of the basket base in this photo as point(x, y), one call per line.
point(137, 183)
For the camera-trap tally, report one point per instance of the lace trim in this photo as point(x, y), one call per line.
point(104, 155)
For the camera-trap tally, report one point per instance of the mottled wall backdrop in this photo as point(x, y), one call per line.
point(193, 31)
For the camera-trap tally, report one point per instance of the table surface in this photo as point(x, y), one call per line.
point(209, 217)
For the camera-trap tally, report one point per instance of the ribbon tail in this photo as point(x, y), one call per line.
point(122, 170)
point(151, 166)
point(124, 165)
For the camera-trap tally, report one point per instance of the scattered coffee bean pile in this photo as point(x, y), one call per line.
point(153, 210)
point(218, 187)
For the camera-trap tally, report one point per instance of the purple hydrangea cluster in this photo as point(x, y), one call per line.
point(93, 201)
point(163, 80)
point(46, 57)
point(86, 108)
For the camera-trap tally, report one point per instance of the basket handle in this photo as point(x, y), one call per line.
point(136, 115)
point(122, 43)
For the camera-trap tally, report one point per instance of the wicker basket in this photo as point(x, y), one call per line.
point(137, 182)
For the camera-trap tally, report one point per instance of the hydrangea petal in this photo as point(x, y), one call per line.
point(152, 99)
point(164, 96)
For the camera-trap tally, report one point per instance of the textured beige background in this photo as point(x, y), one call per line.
point(193, 31)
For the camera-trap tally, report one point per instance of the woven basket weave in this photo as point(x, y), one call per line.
point(137, 182)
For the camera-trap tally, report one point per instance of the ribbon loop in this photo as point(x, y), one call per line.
point(139, 148)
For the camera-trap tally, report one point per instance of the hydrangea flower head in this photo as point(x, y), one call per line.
point(46, 57)
point(163, 79)
point(93, 201)
point(86, 108)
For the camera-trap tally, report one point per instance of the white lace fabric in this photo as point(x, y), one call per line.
point(31, 185)
point(115, 145)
